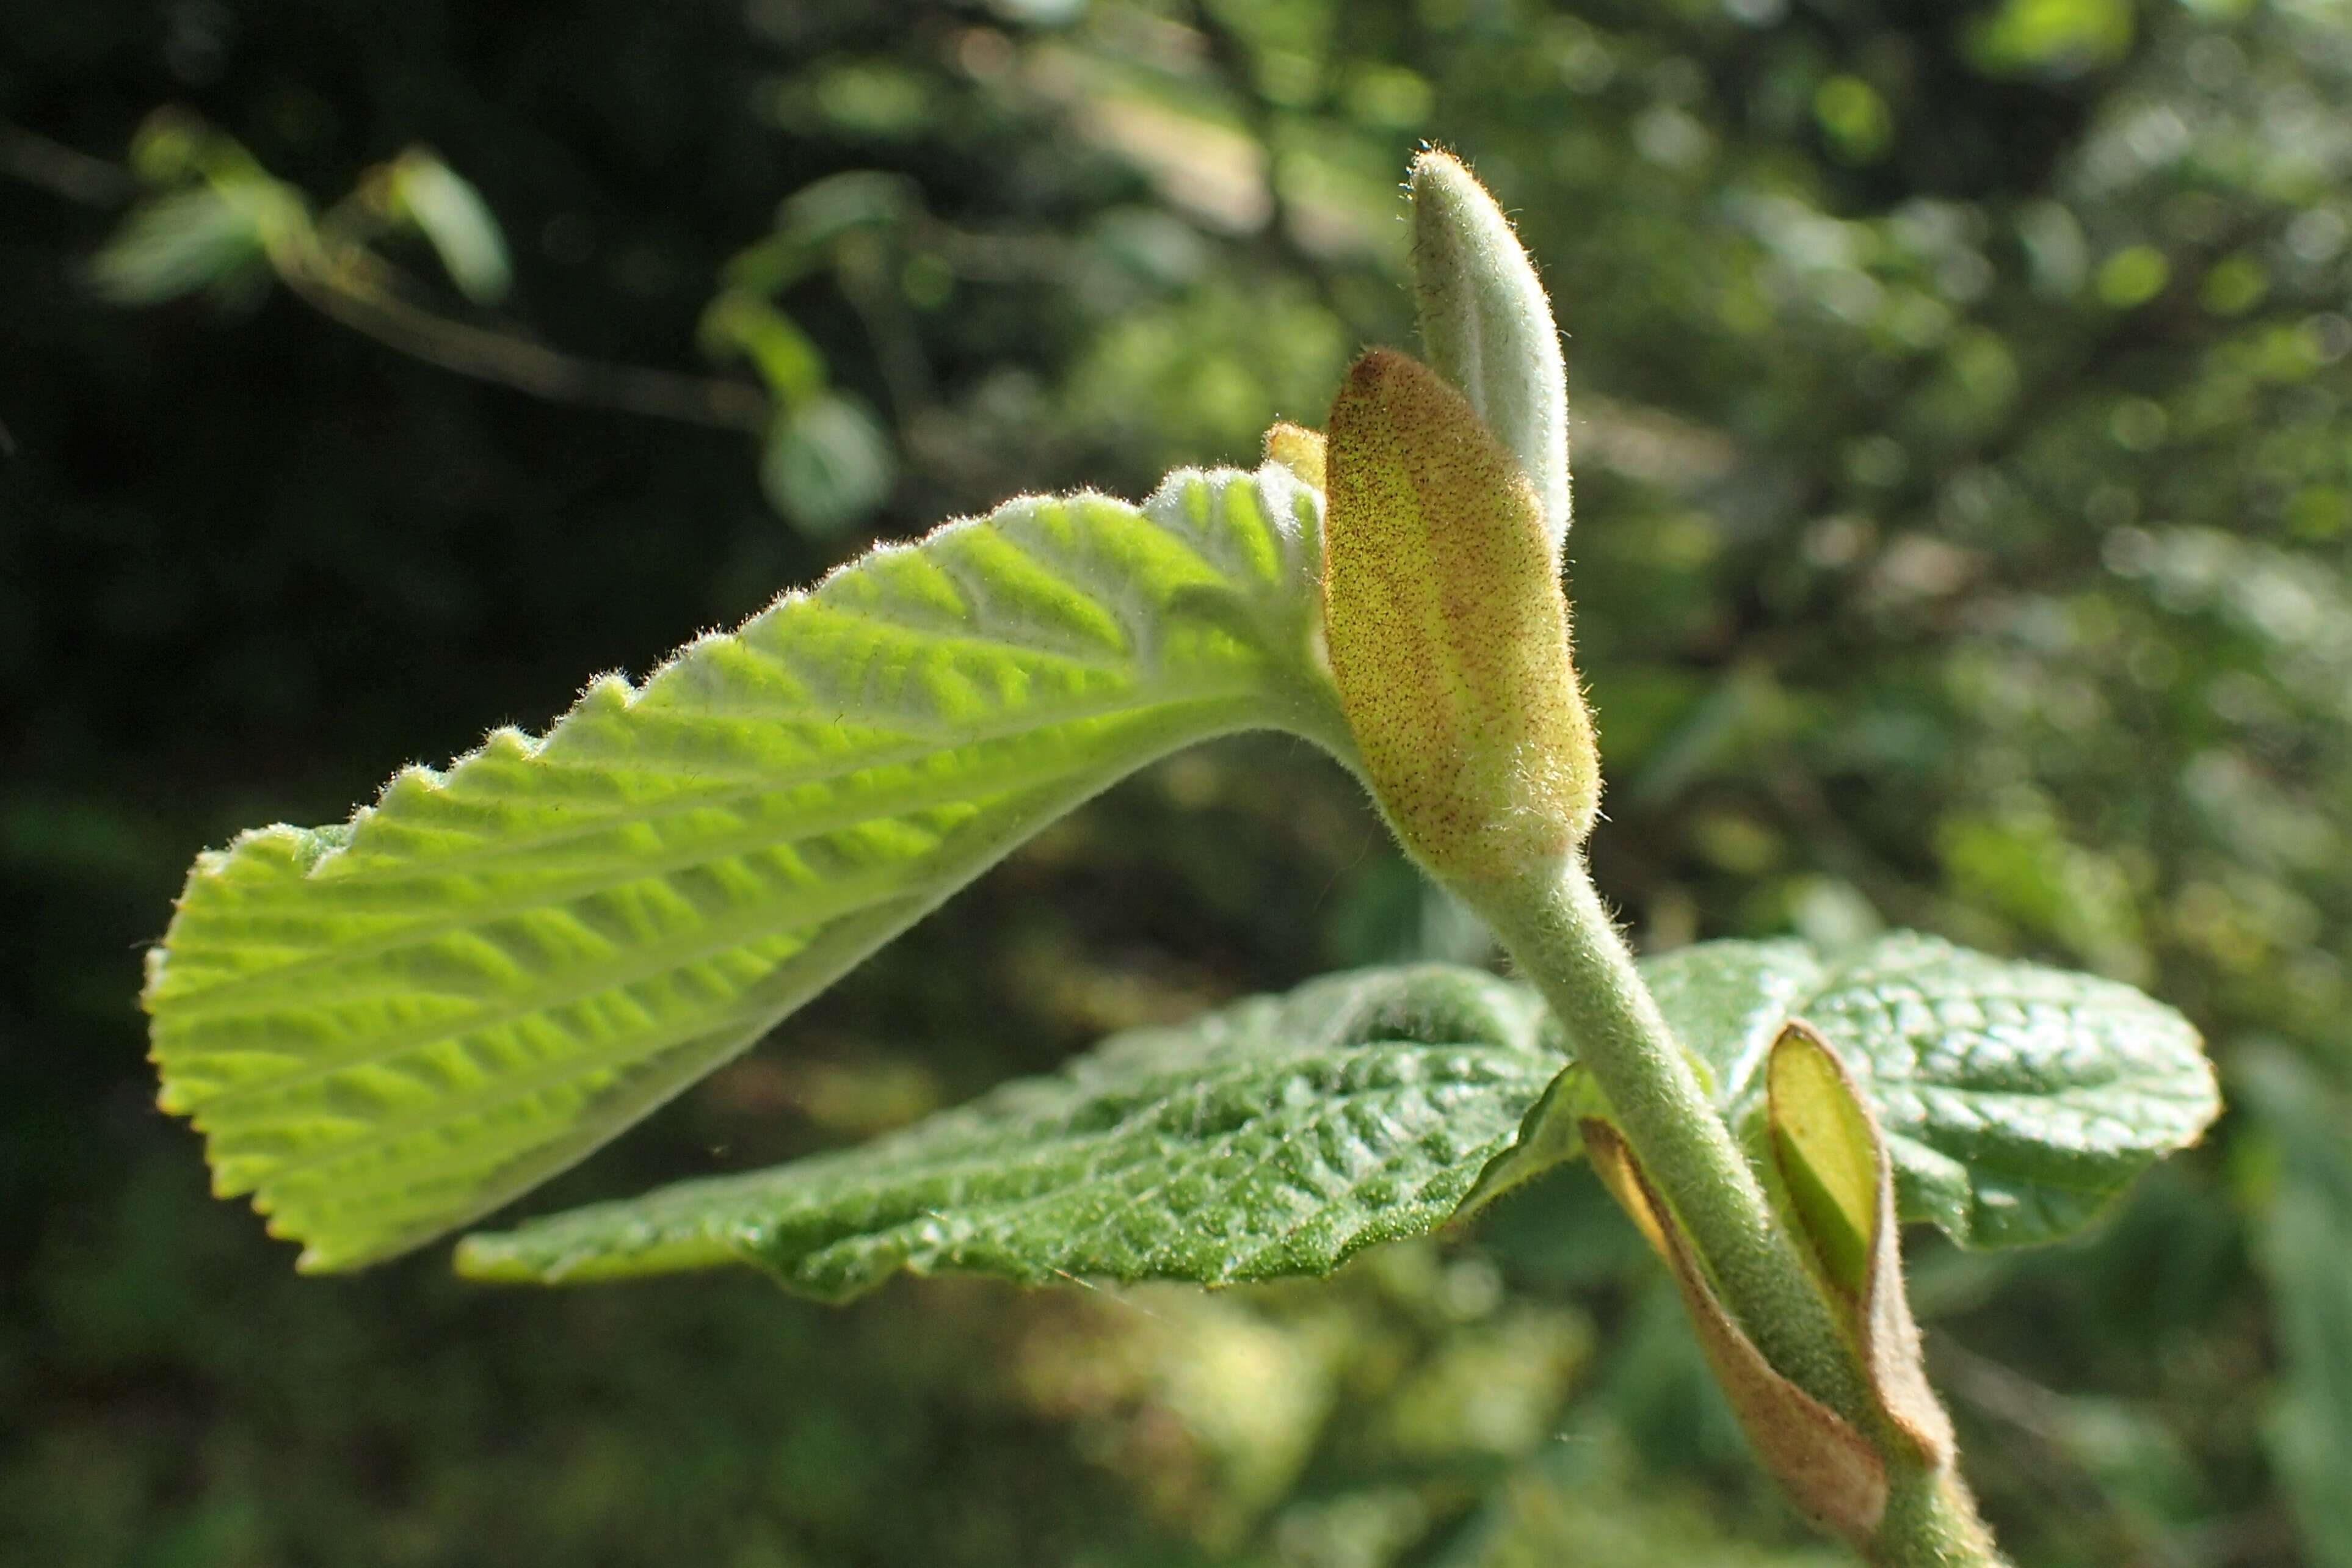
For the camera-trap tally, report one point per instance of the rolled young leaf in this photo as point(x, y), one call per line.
point(1837, 1191)
point(388, 1027)
point(1828, 1156)
point(1487, 328)
point(1448, 633)
point(1825, 1465)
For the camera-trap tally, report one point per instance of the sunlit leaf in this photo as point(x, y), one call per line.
point(455, 221)
point(1827, 1154)
point(389, 1026)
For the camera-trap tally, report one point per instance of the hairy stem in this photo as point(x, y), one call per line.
point(1932, 1522)
point(1564, 940)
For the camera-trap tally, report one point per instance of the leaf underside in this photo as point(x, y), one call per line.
point(388, 1027)
point(1278, 1136)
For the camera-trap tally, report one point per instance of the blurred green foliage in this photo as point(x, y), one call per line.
point(1965, 491)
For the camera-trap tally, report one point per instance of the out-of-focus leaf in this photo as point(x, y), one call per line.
point(175, 244)
point(455, 220)
point(827, 464)
point(1587, 1504)
point(812, 218)
point(739, 321)
point(2305, 1248)
point(388, 1026)
point(2051, 37)
point(1276, 1137)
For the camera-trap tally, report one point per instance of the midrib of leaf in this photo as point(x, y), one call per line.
point(605, 913)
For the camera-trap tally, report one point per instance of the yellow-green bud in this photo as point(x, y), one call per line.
point(1296, 448)
point(1448, 632)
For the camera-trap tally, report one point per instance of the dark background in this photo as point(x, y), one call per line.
point(1964, 482)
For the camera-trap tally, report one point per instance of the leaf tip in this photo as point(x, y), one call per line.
point(1299, 449)
point(1487, 326)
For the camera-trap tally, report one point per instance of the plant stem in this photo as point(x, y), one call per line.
point(1932, 1522)
point(1564, 940)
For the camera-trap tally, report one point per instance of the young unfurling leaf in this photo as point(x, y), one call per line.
point(387, 1028)
point(1837, 1187)
point(1487, 328)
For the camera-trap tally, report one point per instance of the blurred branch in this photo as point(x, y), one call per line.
point(349, 284)
point(1229, 57)
point(62, 172)
point(364, 294)
point(2048, 1419)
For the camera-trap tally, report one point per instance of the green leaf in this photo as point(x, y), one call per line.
point(1486, 325)
point(738, 321)
point(827, 464)
point(1279, 1135)
point(455, 220)
point(2305, 1246)
point(2016, 1100)
point(387, 1028)
point(1275, 1137)
point(1827, 1155)
point(175, 244)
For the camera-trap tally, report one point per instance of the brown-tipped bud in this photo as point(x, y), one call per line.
point(1448, 632)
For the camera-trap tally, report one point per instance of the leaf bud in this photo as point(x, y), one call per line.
point(1447, 633)
point(1487, 328)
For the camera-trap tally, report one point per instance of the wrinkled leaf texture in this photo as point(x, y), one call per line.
point(1280, 1135)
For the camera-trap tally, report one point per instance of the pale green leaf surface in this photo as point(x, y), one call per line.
point(1275, 1137)
point(2017, 1100)
point(455, 221)
point(387, 1028)
point(1827, 1156)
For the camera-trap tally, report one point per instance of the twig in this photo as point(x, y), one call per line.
point(358, 290)
point(361, 294)
point(62, 172)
